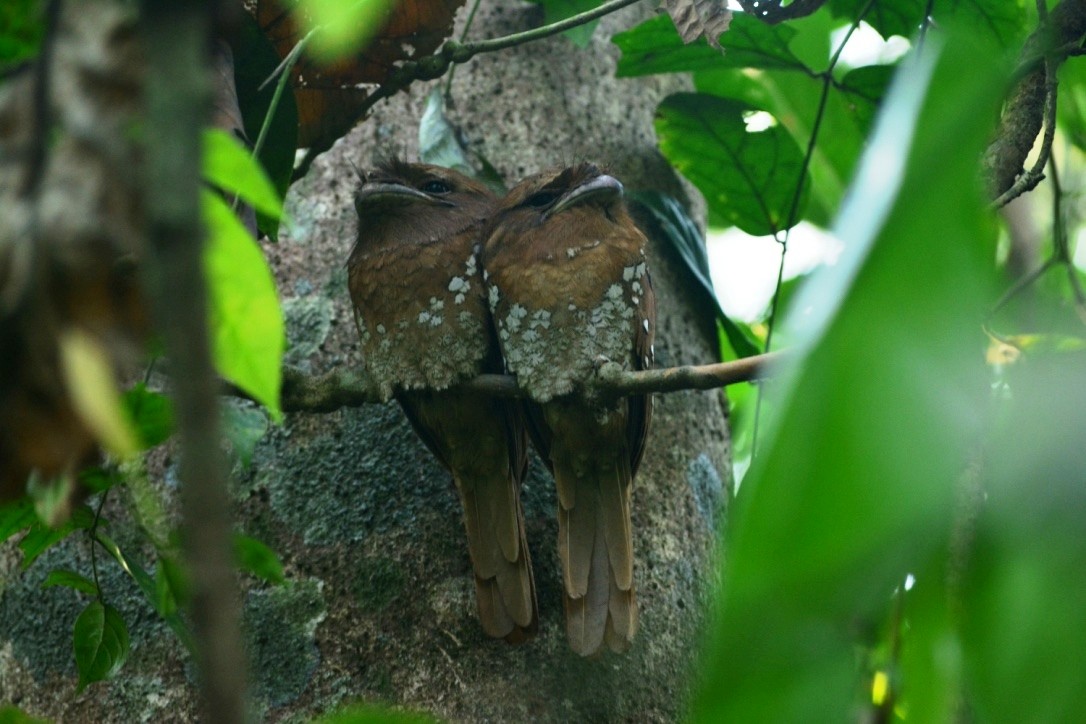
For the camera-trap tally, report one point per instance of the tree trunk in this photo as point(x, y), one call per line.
point(379, 603)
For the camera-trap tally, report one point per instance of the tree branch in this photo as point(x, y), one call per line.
point(1024, 113)
point(178, 100)
point(331, 391)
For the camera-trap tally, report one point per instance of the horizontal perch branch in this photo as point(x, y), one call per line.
point(331, 391)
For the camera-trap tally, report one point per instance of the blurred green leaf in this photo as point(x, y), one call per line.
point(228, 165)
point(373, 714)
point(16, 516)
point(258, 559)
point(555, 10)
point(747, 178)
point(14, 715)
point(151, 413)
point(888, 17)
point(343, 26)
point(70, 579)
point(853, 482)
point(22, 27)
point(654, 46)
point(679, 229)
point(100, 640)
point(1025, 592)
point(254, 61)
point(97, 479)
point(248, 332)
point(41, 537)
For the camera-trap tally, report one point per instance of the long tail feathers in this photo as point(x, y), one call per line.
point(596, 549)
point(504, 584)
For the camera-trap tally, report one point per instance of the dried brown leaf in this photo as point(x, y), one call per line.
point(700, 18)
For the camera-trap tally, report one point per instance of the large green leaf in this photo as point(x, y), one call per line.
point(16, 516)
point(748, 178)
point(1024, 629)
point(258, 559)
point(228, 165)
point(853, 482)
point(1002, 21)
point(246, 320)
point(100, 640)
point(654, 46)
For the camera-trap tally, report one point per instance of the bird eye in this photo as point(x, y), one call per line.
point(436, 187)
point(541, 199)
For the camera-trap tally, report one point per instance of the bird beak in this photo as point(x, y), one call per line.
point(393, 194)
point(601, 187)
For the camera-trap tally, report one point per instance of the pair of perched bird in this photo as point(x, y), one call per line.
point(449, 282)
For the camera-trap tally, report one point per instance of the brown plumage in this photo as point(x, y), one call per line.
point(568, 288)
point(422, 316)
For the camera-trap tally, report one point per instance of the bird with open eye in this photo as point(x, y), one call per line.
point(568, 288)
point(424, 325)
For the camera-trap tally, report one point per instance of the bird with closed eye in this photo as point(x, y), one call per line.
point(424, 324)
point(569, 289)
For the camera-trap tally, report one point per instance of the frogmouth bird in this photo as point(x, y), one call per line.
point(568, 288)
point(424, 324)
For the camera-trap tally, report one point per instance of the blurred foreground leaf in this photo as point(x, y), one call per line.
point(853, 484)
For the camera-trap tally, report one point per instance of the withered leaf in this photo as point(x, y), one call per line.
point(700, 18)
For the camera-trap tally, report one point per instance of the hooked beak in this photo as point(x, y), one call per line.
point(601, 187)
point(393, 194)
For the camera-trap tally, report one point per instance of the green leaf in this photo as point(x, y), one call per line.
point(70, 579)
point(151, 414)
point(100, 640)
point(679, 230)
point(22, 27)
point(342, 27)
point(888, 17)
point(258, 559)
point(853, 484)
point(1003, 21)
point(438, 140)
point(244, 427)
point(556, 10)
point(41, 537)
point(171, 587)
point(149, 589)
point(14, 715)
point(747, 178)
point(97, 479)
point(654, 46)
point(229, 166)
point(16, 516)
point(247, 329)
point(864, 88)
point(1024, 593)
point(373, 714)
point(254, 61)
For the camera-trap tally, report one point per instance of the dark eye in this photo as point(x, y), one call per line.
point(541, 199)
point(436, 187)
